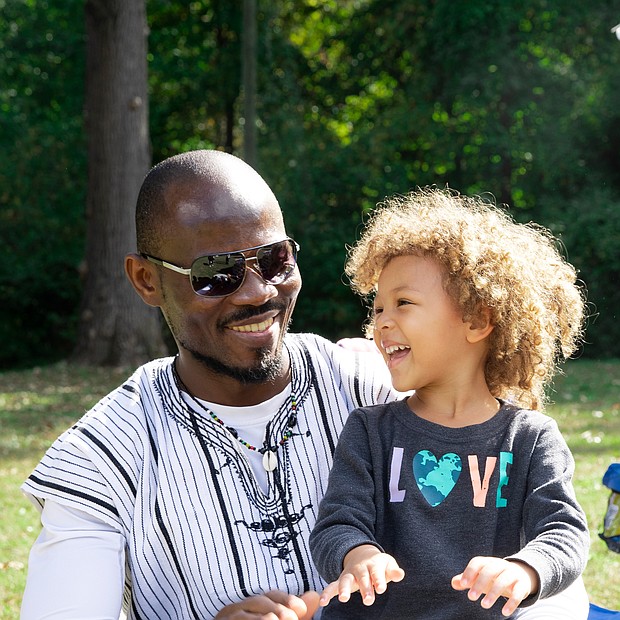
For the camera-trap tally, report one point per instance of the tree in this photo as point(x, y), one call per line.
point(42, 163)
point(115, 327)
point(249, 81)
point(355, 100)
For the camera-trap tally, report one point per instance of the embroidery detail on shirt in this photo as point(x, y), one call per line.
point(280, 533)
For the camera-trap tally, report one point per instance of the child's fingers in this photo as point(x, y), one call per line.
point(379, 581)
point(465, 579)
point(495, 578)
point(366, 586)
point(393, 571)
point(368, 577)
point(346, 585)
point(496, 586)
point(520, 591)
point(383, 573)
point(457, 582)
point(330, 591)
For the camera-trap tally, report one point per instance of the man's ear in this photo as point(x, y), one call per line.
point(144, 278)
point(481, 325)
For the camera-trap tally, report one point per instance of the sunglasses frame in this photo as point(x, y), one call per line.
point(242, 253)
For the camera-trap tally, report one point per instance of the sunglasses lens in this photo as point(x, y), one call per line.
point(219, 275)
point(277, 261)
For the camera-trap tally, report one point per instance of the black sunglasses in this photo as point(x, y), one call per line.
point(218, 275)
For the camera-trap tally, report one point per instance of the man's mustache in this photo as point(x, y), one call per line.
point(249, 312)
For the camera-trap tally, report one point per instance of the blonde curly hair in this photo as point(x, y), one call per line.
point(536, 304)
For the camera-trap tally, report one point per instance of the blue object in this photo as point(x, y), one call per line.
point(611, 478)
point(611, 522)
point(600, 613)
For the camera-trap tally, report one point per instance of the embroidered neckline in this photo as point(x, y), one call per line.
point(269, 452)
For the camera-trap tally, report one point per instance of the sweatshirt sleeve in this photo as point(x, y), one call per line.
point(555, 526)
point(347, 511)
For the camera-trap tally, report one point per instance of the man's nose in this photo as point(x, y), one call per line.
point(254, 290)
point(252, 263)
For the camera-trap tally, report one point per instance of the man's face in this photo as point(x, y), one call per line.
point(240, 335)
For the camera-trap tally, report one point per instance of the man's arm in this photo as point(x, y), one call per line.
point(76, 569)
point(76, 572)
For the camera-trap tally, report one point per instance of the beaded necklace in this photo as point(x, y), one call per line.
point(270, 459)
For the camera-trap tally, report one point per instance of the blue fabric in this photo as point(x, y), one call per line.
point(600, 613)
point(611, 479)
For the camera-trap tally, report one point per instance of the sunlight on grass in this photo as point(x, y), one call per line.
point(587, 408)
point(37, 405)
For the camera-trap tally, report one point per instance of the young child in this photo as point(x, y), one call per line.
point(462, 490)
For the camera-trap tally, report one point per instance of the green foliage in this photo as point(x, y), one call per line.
point(42, 178)
point(194, 74)
point(377, 97)
point(589, 226)
point(357, 100)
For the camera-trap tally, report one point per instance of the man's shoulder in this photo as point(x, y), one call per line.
point(340, 359)
point(133, 394)
point(359, 372)
point(343, 349)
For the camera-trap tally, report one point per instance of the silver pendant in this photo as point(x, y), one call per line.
point(270, 460)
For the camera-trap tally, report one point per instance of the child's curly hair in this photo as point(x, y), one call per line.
point(515, 270)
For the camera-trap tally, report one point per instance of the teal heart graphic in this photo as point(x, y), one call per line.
point(434, 478)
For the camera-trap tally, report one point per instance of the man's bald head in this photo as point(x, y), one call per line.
point(213, 179)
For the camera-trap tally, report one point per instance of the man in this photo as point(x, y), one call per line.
point(151, 488)
point(191, 490)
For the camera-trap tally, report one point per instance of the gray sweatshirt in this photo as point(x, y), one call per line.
point(434, 497)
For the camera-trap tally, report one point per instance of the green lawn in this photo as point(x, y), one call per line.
point(36, 405)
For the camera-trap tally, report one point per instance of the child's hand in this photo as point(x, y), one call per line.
point(365, 569)
point(495, 577)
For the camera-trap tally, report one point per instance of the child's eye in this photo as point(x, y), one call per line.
point(377, 310)
point(403, 302)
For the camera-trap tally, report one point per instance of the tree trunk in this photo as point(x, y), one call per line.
point(116, 327)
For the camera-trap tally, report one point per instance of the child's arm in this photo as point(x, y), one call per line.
point(495, 577)
point(366, 569)
point(348, 513)
point(554, 526)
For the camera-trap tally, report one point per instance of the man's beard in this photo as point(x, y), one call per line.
point(269, 363)
point(266, 369)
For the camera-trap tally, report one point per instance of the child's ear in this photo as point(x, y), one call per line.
point(481, 325)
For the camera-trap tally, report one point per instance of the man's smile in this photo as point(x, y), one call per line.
point(253, 327)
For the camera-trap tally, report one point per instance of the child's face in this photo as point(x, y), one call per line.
point(418, 327)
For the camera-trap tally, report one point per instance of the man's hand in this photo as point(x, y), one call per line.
point(365, 569)
point(272, 605)
point(361, 345)
point(495, 577)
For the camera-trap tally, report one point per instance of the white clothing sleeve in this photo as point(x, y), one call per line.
point(570, 604)
point(76, 568)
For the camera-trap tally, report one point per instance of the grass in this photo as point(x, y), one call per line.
point(37, 405)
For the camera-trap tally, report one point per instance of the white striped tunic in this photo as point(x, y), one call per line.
point(199, 531)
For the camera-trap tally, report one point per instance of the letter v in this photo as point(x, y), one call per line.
point(480, 490)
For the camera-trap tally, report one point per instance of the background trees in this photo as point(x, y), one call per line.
point(357, 99)
point(115, 326)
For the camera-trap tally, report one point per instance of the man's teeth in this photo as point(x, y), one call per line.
point(254, 327)
point(395, 347)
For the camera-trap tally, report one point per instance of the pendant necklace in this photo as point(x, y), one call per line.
point(270, 458)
